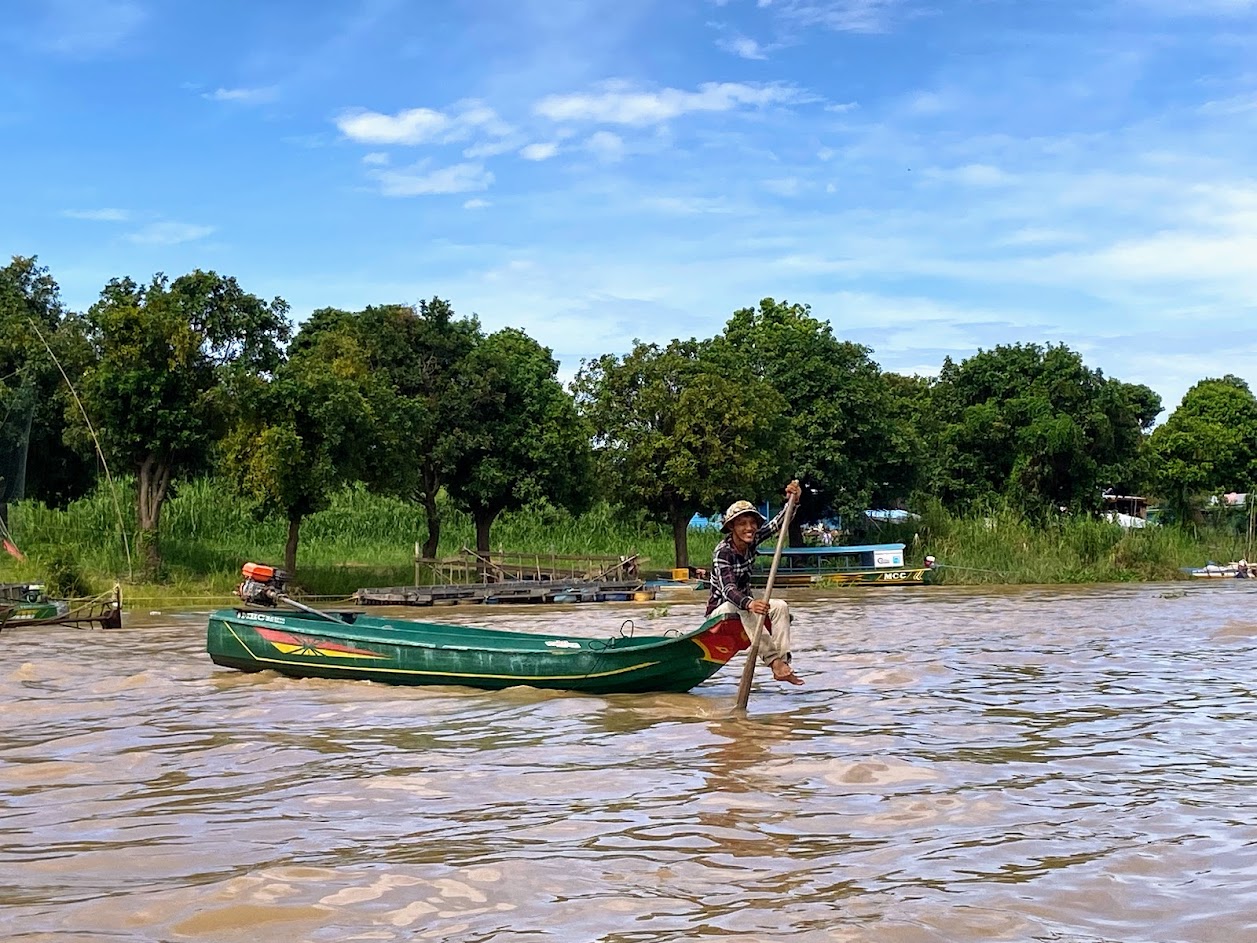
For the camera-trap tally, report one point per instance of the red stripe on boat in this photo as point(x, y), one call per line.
point(275, 637)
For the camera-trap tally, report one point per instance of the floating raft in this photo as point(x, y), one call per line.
point(523, 591)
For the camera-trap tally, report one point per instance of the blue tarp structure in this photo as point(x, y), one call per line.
point(884, 515)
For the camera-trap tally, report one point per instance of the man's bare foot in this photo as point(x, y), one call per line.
point(783, 672)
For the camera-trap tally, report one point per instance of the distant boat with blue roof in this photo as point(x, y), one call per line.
point(862, 564)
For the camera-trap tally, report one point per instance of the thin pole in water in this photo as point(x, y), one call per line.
point(748, 670)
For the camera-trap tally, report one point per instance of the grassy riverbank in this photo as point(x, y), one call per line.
point(366, 540)
point(1005, 548)
point(361, 540)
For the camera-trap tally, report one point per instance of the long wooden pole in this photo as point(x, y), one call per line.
point(748, 670)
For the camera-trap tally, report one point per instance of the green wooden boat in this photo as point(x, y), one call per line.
point(308, 643)
point(28, 604)
point(400, 651)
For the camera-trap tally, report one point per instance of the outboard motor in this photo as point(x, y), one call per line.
point(263, 585)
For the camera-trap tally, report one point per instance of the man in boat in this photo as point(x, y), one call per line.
point(731, 566)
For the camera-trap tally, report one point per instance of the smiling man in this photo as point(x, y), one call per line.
point(745, 529)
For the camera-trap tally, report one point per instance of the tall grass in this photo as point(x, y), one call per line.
point(368, 540)
point(360, 540)
point(1004, 547)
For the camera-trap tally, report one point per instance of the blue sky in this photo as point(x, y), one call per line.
point(931, 177)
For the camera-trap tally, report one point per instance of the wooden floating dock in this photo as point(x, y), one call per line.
point(501, 577)
point(516, 591)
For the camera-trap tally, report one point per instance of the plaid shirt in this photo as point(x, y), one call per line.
point(731, 571)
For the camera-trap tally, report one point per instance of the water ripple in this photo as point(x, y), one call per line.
point(1035, 764)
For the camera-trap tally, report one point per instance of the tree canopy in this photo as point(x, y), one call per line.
point(304, 433)
point(33, 395)
point(676, 432)
point(163, 356)
point(522, 440)
point(192, 375)
point(847, 448)
point(1208, 445)
point(1035, 426)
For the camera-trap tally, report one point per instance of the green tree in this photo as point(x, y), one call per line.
point(303, 434)
point(165, 355)
point(421, 353)
point(522, 439)
point(676, 433)
point(851, 451)
point(424, 352)
point(32, 393)
point(1209, 444)
point(1035, 426)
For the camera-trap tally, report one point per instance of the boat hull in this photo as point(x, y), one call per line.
point(404, 652)
point(893, 577)
point(20, 606)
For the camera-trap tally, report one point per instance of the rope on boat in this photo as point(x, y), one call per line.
point(224, 597)
point(85, 601)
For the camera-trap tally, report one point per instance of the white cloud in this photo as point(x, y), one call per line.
point(421, 125)
point(1033, 236)
point(476, 204)
point(973, 175)
point(606, 146)
point(1218, 262)
point(742, 46)
point(686, 206)
point(419, 181)
point(375, 158)
point(539, 151)
point(86, 27)
point(245, 96)
point(412, 126)
point(490, 148)
point(931, 103)
point(620, 103)
point(1235, 105)
point(784, 186)
point(847, 16)
point(169, 233)
point(513, 268)
point(106, 215)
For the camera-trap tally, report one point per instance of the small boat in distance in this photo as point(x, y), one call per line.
point(308, 643)
point(1239, 569)
point(30, 604)
point(876, 564)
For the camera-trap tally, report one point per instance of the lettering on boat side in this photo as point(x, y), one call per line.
point(898, 575)
point(262, 617)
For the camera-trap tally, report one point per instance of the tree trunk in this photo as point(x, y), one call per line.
point(794, 535)
point(431, 485)
point(484, 520)
point(150, 494)
point(290, 546)
point(680, 535)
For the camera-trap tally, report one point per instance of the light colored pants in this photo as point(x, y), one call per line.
point(774, 644)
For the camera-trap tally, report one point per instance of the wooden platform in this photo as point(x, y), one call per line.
point(470, 566)
point(519, 591)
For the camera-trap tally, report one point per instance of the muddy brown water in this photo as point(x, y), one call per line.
point(1055, 764)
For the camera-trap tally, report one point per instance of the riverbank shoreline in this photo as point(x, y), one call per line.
point(364, 540)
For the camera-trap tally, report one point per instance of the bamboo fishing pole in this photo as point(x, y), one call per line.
point(100, 452)
point(748, 670)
